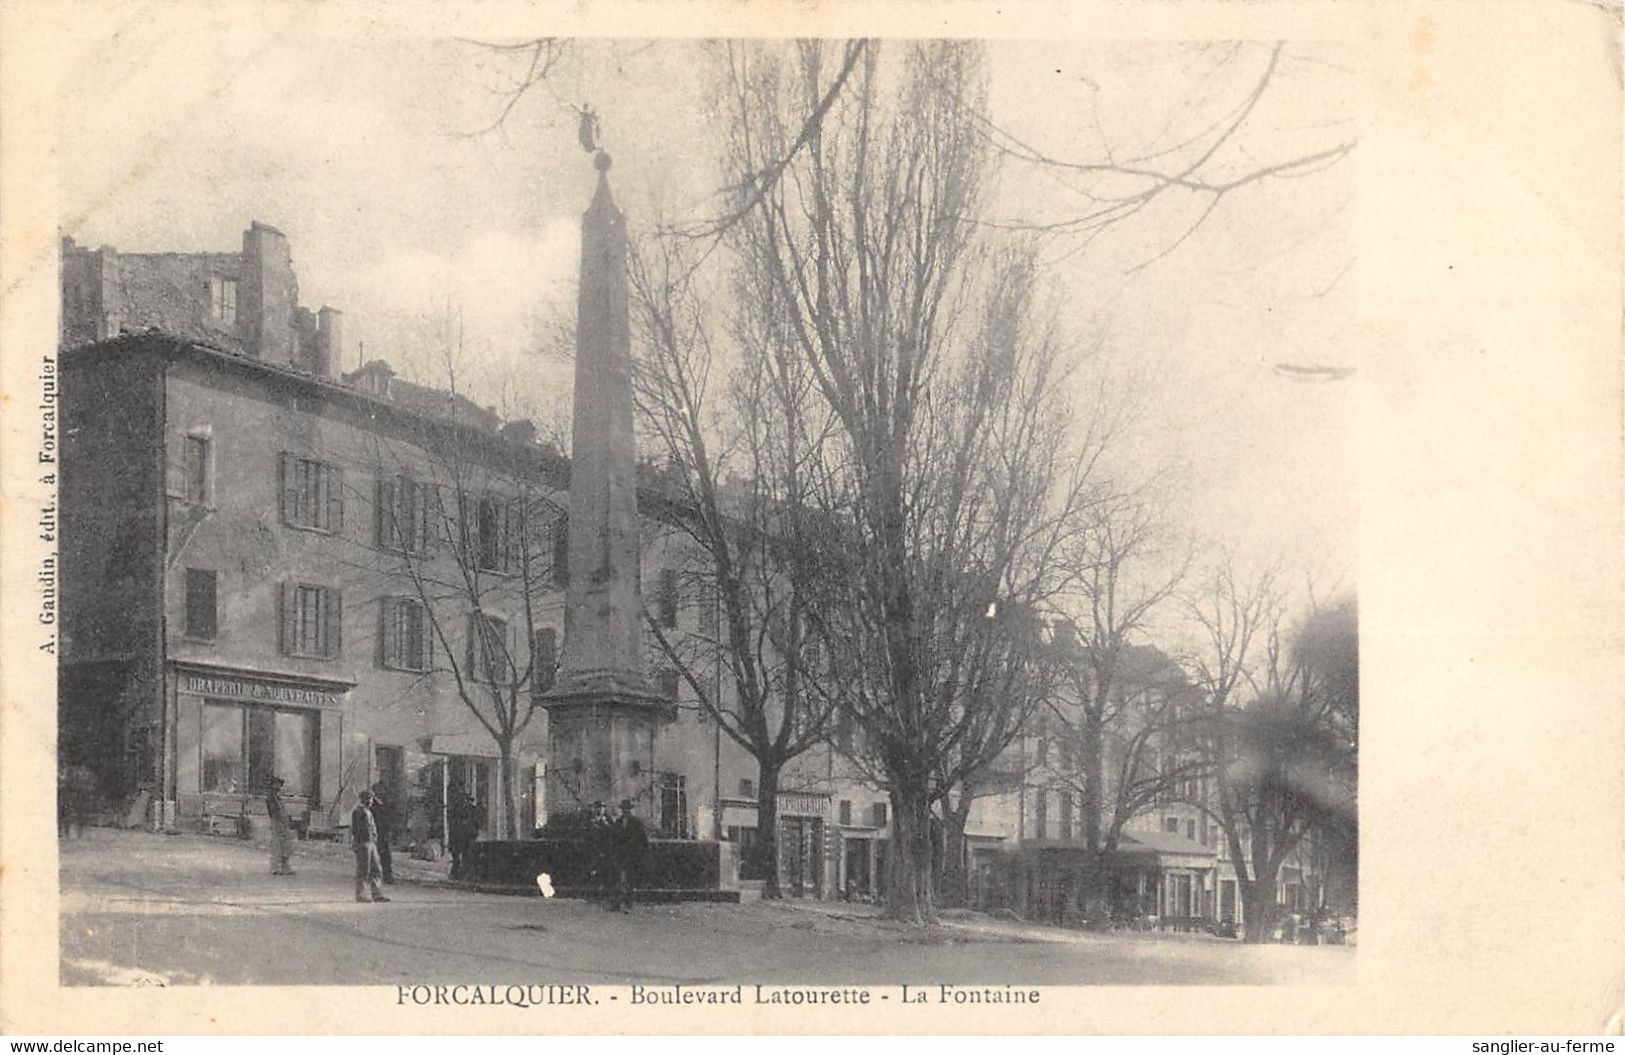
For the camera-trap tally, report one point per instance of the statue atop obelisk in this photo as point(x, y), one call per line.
point(602, 714)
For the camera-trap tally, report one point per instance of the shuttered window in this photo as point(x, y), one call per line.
point(312, 621)
point(405, 515)
point(493, 536)
point(405, 636)
point(488, 657)
point(312, 494)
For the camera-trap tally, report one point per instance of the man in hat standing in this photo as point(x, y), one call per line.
point(281, 837)
point(628, 842)
point(364, 837)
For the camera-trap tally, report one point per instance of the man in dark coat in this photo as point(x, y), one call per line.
point(627, 845)
point(383, 813)
point(462, 817)
point(364, 839)
point(281, 836)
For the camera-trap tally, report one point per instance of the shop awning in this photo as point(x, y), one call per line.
point(477, 745)
point(1165, 849)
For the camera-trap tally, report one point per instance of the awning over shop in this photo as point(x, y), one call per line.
point(476, 745)
point(1165, 850)
point(741, 812)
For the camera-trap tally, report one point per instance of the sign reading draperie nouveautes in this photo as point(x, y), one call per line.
point(264, 692)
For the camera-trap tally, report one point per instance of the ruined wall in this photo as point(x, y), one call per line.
point(171, 293)
point(105, 293)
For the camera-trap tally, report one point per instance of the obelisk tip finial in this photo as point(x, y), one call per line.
point(601, 161)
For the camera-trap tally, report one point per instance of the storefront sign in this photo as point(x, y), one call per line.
point(265, 692)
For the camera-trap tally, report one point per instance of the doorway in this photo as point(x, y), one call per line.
point(859, 882)
point(390, 765)
point(798, 854)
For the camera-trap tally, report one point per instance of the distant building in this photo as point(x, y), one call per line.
point(1172, 861)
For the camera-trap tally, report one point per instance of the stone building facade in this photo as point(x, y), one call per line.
point(246, 538)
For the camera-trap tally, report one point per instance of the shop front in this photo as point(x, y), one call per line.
point(468, 767)
point(1166, 877)
point(237, 731)
point(803, 830)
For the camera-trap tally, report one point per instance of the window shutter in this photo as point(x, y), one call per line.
point(428, 515)
point(470, 668)
point(290, 489)
point(385, 511)
point(175, 475)
point(387, 638)
point(333, 623)
point(287, 615)
point(335, 498)
point(428, 636)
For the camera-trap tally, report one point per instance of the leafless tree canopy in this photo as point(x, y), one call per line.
point(947, 485)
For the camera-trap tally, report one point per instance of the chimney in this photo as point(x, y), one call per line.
point(329, 342)
point(268, 294)
point(92, 298)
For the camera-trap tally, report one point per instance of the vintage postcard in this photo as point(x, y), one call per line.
point(840, 518)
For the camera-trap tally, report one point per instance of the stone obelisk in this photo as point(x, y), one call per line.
point(602, 715)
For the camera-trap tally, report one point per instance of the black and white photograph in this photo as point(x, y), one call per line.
point(721, 522)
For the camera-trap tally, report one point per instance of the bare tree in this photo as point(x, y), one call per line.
point(1281, 730)
point(1232, 615)
point(1121, 750)
point(464, 522)
point(948, 484)
point(743, 440)
point(1127, 568)
point(1118, 184)
point(1012, 676)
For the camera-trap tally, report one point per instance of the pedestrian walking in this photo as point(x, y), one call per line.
point(364, 839)
point(628, 843)
point(383, 814)
point(281, 835)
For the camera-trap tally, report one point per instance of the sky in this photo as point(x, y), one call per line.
point(368, 152)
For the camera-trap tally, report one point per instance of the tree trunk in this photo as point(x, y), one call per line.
point(1258, 905)
point(955, 887)
point(1097, 877)
point(1105, 906)
point(767, 828)
point(912, 899)
point(508, 796)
